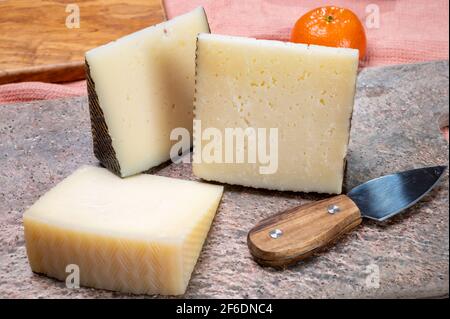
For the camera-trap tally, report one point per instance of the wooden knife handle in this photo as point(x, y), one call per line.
point(295, 234)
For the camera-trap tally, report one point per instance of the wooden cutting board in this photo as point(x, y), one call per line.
point(395, 127)
point(37, 45)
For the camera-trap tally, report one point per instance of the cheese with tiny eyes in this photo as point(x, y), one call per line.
point(141, 234)
point(304, 92)
point(140, 87)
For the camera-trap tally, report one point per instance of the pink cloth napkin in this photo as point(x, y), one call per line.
point(30, 91)
point(408, 31)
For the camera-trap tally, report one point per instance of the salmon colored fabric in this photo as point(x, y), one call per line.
point(30, 91)
point(407, 31)
point(403, 31)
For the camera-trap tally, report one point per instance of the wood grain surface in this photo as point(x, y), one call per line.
point(305, 230)
point(36, 45)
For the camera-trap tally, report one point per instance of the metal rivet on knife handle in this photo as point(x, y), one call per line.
point(276, 233)
point(333, 209)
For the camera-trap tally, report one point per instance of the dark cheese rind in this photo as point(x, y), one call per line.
point(102, 143)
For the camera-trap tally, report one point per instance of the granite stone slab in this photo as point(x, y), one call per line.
point(395, 127)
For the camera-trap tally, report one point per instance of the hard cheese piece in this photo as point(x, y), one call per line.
point(140, 88)
point(306, 92)
point(142, 234)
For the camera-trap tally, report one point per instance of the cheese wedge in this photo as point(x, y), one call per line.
point(141, 234)
point(305, 92)
point(140, 87)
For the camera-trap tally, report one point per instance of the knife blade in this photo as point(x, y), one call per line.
point(295, 234)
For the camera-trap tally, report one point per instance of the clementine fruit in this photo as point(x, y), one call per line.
point(331, 26)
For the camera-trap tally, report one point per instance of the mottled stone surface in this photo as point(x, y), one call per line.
point(394, 128)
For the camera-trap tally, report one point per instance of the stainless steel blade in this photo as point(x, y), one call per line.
point(386, 196)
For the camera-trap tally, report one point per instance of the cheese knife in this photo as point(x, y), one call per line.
point(295, 234)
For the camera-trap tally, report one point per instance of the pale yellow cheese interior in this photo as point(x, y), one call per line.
point(307, 92)
point(145, 88)
point(142, 234)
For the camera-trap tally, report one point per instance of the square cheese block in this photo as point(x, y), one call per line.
point(140, 87)
point(305, 93)
point(142, 234)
